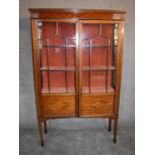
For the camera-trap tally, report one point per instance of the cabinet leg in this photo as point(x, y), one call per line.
point(115, 130)
point(110, 122)
point(41, 132)
point(45, 127)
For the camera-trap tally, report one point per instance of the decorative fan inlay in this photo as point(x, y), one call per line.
point(59, 105)
point(100, 104)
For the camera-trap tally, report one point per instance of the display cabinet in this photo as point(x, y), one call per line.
point(77, 57)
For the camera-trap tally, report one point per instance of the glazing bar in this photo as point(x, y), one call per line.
point(66, 60)
point(47, 57)
point(90, 57)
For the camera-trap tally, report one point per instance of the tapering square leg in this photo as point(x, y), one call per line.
point(110, 122)
point(41, 132)
point(45, 127)
point(115, 130)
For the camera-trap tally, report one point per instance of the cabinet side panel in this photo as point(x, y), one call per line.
point(119, 66)
point(36, 65)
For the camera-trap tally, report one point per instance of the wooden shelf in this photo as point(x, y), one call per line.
point(54, 90)
point(102, 68)
point(95, 46)
point(58, 68)
point(73, 46)
point(58, 46)
point(98, 90)
point(85, 90)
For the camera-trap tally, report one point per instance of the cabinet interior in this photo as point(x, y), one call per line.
point(58, 43)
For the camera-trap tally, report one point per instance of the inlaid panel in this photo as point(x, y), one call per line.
point(56, 106)
point(97, 105)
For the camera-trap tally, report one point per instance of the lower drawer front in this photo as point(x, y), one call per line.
point(58, 106)
point(97, 105)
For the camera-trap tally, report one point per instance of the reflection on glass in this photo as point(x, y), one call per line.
point(116, 34)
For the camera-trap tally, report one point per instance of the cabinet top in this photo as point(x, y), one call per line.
point(42, 13)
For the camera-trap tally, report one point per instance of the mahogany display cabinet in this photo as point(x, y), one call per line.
point(77, 57)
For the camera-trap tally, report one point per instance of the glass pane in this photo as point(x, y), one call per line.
point(99, 48)
point(71, 81)
point(57, 82)
point(98, 81)
point(57, 56)
point(111, 81)
point(85, 82)
point(45, 88)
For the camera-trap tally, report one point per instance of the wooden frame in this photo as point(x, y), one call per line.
point(78, 104)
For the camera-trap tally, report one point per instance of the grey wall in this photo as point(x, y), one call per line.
point(27, 99)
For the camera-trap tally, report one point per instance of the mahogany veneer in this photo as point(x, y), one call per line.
point(77, 57)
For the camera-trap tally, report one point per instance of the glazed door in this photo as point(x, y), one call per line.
point(58, 63)
point(77, 67)
point(98, 52)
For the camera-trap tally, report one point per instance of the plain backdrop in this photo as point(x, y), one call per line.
point(27, 114)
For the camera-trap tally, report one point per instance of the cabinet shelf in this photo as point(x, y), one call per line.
point(102, 68)
point(73, 46)
point(55, 90)
point(58, 68)
point(58, 46)
point(98, 46)
point(86, 90)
